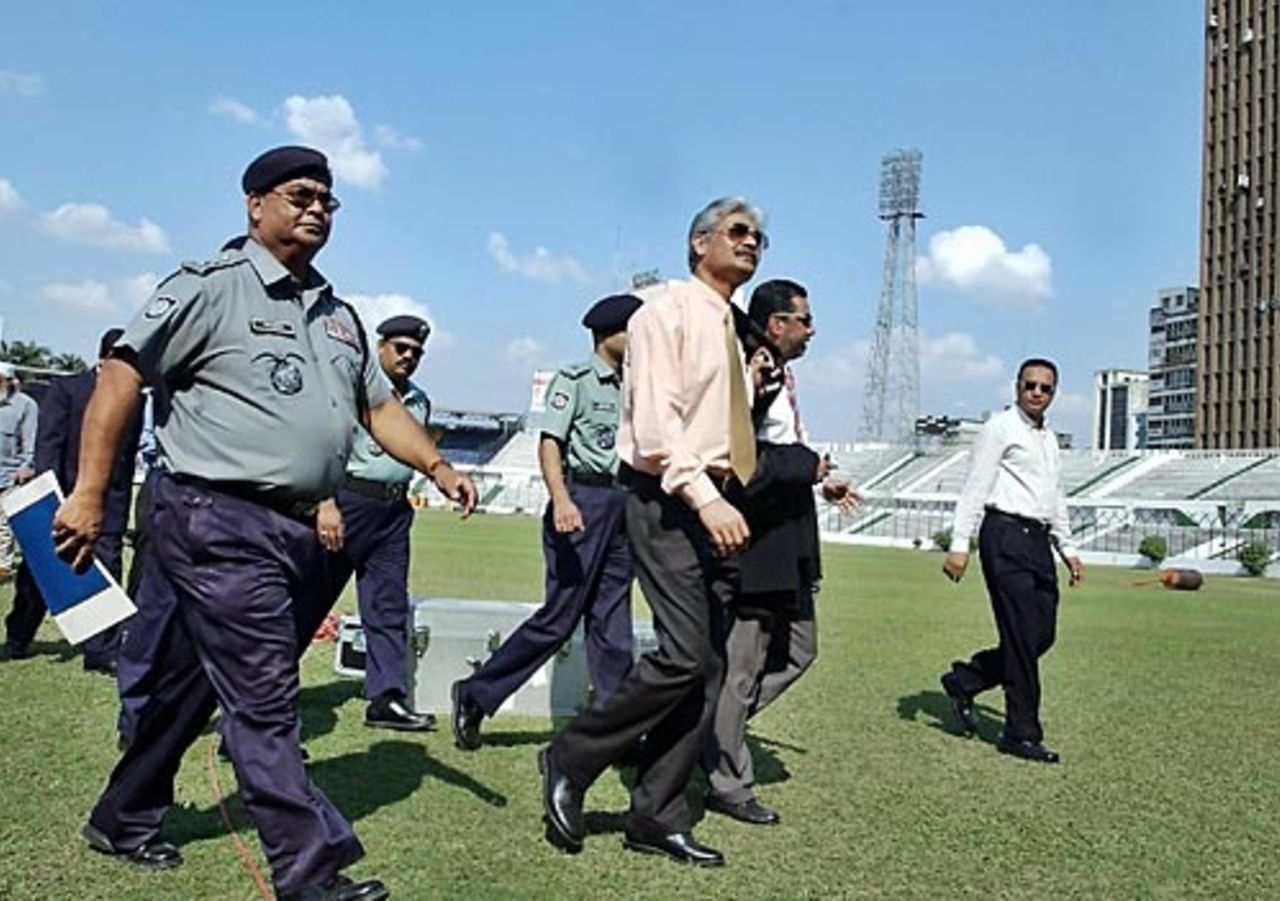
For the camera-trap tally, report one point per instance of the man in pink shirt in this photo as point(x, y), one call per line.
point(686, 446)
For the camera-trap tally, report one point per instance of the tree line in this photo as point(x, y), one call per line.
point(31, 355)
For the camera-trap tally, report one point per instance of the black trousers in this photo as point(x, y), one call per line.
point(1017, 563)
point(670, 694)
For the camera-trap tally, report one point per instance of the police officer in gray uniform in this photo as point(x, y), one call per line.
point(268, 376)
point(584, 534)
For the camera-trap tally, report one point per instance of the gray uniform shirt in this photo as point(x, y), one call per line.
point(264, 373)
point(18, 416)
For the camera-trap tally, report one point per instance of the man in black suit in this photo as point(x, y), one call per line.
point(58, 449)
point(773, 636)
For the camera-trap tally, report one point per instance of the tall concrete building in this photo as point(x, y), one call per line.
point(1119, 409)
point(1239, 358)
point(1171, 401)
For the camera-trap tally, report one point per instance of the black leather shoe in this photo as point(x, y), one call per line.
point(1027, 750)
point(748, 811)
point(154, 855)
point(389, 711)
point(680, 846)
point(340, 888)
point(562, 804)
point(465, 719)
point(16, 650)
point(961, 705)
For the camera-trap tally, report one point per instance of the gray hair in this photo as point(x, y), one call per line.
point(714, 213)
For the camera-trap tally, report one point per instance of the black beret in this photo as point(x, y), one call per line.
point(282, 164)
point(405, 326)
point(611, 314)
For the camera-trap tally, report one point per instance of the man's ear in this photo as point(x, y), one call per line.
point(253, 205)
point(699, 243)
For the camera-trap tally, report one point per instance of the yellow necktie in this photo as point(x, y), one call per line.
point(742, 438)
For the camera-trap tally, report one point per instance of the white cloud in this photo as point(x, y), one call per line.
point(944, 360)
point(88, 296)
point(329, 124)
point(388, 137)
point(92, 223)
point(975, 259)
point(522, 351)
point(96, 298)
point(540, 265)
point(21, 84)
point(955, 357)
point(10, 200)
point(374, 308)
point(234, 109)
point(135, 290)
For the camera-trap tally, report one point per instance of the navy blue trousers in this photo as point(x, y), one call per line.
point(240, 574)
point(145, 631)
point(376, 549)
point(29, 607)
point(588, 580)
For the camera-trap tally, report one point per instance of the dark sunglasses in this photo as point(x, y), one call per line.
point(404, 347)
point(805, 319)
point(1043, 387)
point(303, 198)
point(738, 232)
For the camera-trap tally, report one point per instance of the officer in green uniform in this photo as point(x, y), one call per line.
point(584, 535)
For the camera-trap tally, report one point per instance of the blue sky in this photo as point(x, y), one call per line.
point(503, 165)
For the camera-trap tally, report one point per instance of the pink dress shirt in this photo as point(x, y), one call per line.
point(675, 389)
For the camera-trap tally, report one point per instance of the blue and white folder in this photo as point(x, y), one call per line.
point(83, 604)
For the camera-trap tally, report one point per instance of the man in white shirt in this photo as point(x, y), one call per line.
point(1014, 487)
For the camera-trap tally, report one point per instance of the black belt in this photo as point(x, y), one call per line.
point(1025, 521)
point(726, 483)
point(594, 479)
point(382, 491)
point(272, 498)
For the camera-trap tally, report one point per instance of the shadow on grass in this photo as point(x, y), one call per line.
point(318, 705)
point(60, 650)
point(937, 707)
point(358, 783)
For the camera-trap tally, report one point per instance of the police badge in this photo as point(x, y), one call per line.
point(286, 377)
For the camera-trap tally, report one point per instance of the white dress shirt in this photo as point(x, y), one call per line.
point(1016, 468)
point(781, 422)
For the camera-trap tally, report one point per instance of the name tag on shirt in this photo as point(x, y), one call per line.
point(82, 604)
point(266, 327)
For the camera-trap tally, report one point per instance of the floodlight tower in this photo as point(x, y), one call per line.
point(892, 399)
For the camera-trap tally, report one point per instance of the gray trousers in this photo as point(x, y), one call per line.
point(764, 656)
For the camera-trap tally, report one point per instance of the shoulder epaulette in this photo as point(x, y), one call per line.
point(575, 370)
point(224, 260)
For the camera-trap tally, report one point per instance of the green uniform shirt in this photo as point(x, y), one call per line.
point(370, 461)
point(584, 402)
point(264, 373)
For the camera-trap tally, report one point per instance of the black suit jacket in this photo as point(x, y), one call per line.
point(784, 554)
point(58, 444)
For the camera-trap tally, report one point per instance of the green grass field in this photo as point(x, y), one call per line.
point(1163, 704)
